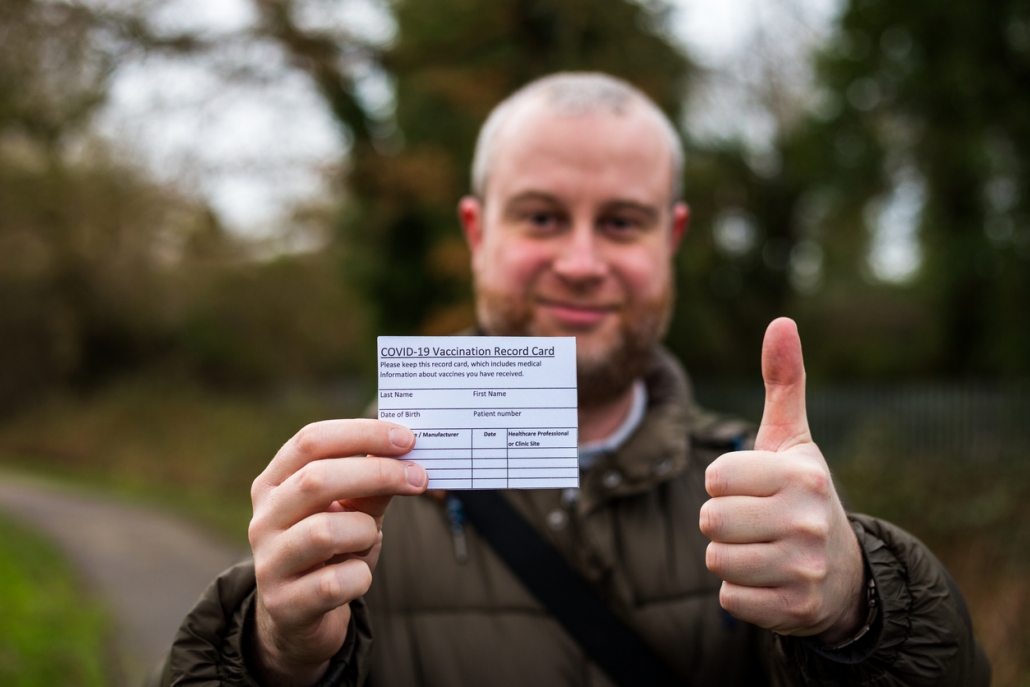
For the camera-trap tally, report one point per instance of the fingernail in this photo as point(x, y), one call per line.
point(415, 474)
point(402, 437)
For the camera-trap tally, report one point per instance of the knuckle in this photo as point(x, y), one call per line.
point(262, 575)
point(271, 598)
point(329, 589)
point(258, 529)
point(255, 489)
point(815, 529)
point(368, 532)
point(814, 480)
point(254, 533)
point(386, 471)
point(321, 535)
point(311, 479)
point(813, 571)
point(307, 440)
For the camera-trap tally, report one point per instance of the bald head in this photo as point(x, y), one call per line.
point(573, 94)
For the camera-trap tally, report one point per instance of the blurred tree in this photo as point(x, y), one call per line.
point(104, 270)
point(52, 76)
point(64, 238)
point(734, 266)
point(892, 221)
point(922, 127)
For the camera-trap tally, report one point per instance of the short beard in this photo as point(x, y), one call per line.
point(603, 377)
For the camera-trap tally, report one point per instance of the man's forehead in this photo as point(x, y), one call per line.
point(544, 150)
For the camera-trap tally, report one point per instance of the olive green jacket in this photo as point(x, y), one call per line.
point(443, 614)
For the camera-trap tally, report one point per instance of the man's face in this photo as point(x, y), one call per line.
point(575, 237)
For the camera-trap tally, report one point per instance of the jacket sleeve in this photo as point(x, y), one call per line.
point(210, 648)
point(923, 634)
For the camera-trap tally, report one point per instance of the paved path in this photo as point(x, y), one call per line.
point(147, 566)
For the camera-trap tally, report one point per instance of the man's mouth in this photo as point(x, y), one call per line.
point(573, 314)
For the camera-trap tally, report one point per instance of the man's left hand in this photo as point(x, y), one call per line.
point(781, 541)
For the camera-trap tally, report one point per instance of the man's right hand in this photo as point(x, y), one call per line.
point(316, 535)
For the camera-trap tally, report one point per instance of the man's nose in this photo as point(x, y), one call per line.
point(580, 257)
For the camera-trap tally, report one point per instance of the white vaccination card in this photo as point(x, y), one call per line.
point(487, 412)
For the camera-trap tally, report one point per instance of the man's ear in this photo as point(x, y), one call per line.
point(470, 214)
point(680, 224)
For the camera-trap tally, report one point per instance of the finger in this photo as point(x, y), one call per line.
point(337, 439)
point(745, 473)
point(372, 505)
point(371, 556)
point(769, 607)
point(784, 421)
point(742, 520)
point(314, 487)
point(317, 539)
point(306, 599)
point(749, 565)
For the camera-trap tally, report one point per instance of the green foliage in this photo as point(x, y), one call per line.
point(725, 300)
point(936, 92)
point(290, 320)
point(930, 94)
point(105, 271)
point(78, 277)
point(51, 633)
point(453, 61)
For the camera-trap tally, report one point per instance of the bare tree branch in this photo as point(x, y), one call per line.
point(321, 55)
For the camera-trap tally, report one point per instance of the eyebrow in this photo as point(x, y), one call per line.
point(531, 196)
point(648, 211)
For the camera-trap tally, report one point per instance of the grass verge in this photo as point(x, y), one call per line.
point(52, 634)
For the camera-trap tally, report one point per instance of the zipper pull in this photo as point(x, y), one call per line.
point(456, 515)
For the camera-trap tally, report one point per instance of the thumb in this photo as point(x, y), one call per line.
point(784, 421)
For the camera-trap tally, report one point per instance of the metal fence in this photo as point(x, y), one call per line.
point(961, 421)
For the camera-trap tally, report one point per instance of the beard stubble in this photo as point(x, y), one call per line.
point(604, 375)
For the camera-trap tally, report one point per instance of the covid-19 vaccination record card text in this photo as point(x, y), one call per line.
point(487, 412)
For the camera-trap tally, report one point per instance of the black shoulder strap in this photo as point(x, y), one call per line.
point(609, 642)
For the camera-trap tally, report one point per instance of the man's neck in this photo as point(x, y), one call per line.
point(598, 422)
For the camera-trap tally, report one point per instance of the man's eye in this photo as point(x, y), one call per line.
point(543, 221)
point(620, 225)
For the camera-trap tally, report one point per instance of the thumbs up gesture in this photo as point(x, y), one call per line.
point(781, 541)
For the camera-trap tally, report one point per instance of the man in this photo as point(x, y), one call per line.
point(573, 225)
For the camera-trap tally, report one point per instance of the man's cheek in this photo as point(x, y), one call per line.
point(645, 271)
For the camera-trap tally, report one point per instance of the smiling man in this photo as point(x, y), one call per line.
point(572, 227)
point(728, 566)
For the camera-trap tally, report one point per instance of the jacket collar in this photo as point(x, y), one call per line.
point(658, 450)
